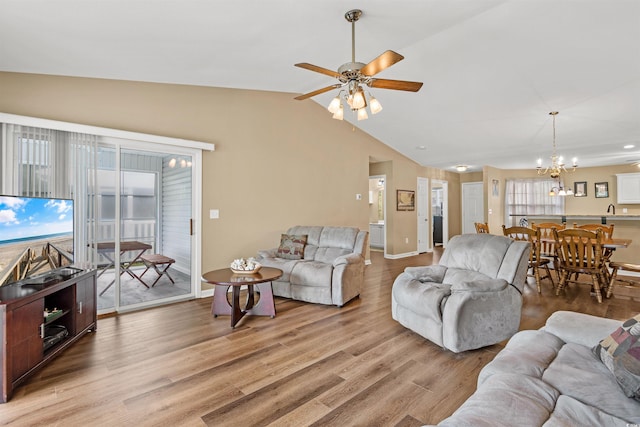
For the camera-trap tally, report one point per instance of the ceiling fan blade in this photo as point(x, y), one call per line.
point(317, 69)
point(396, 84)
point(386, 60)
point(317, 92)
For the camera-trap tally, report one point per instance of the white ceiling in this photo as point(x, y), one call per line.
point(492, 70)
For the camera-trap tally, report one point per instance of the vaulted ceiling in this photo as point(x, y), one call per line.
point(492, 70)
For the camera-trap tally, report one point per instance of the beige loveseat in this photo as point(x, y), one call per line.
point(330, 269)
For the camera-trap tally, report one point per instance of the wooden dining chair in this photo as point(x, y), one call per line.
point(607, 233)
point(580, 251)
point(547, 244)
point(535, 261)
point(482, 227)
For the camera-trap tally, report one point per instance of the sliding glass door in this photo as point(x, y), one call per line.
point(137, 197)
point(144, 216)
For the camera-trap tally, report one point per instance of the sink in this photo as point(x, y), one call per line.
point(68, 271)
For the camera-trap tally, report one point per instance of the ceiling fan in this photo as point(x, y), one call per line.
point(352, 76)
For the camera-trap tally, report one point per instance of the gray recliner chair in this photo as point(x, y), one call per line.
point(472, 299)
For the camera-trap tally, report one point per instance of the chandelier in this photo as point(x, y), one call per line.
point(560, 191)
point(557, 166)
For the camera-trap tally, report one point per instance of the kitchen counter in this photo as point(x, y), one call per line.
point(601, 218)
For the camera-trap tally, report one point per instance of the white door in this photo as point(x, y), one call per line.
point(423, 215)
point(472, 205)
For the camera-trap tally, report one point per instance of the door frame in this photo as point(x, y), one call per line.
point(426, 245)
point(196, 191)
point(445, 210)
point(384, 210)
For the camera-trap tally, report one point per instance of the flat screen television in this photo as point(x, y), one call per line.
point(36, 236)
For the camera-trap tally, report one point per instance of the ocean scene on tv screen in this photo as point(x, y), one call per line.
point(24, 218)
point(36, 235)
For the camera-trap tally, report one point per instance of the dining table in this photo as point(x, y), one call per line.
point(610, 245)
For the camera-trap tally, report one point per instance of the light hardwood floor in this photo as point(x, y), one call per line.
point(311, 365)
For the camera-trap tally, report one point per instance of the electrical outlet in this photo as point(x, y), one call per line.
point(624, 210)
point(406, 240)
point(214, 214)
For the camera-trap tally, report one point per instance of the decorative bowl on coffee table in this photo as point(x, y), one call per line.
point(255, 270)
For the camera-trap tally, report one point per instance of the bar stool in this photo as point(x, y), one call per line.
point(615, 266)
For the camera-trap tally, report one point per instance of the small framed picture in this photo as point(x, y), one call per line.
point(495, 188)
point(580, 189)
point(602, 190)
point(406, 200)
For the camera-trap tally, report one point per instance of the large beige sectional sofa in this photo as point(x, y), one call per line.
point(553, 377)
point(329, 271)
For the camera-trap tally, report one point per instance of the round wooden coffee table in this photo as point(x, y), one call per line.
point(225, 278)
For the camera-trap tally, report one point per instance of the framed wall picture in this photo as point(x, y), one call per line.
point(406, 200)
point(495, 188)
point(602, 190)
point(580, 189)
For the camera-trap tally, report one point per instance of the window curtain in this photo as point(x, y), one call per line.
point(48, 163)
point(525, 197)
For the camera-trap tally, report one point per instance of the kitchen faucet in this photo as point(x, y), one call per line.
point(611, 207)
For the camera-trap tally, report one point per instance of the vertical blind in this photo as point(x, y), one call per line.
point(49, 163)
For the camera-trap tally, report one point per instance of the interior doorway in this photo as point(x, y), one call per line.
point(377, 213)
point(440, 212)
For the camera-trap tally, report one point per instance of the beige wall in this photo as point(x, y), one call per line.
point(278, 162)
point(590, 205)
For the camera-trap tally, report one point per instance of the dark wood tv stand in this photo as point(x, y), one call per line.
point(23, 325)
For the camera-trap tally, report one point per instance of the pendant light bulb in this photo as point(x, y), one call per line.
point(339, 113)
point(375, 105)
point(358, 100)
point(334, 105)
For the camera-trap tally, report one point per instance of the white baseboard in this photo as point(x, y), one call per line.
point(404, 255)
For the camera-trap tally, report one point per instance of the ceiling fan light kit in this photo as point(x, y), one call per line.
point(353, 76)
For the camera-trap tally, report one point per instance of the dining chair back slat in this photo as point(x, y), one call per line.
point(547, 248)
